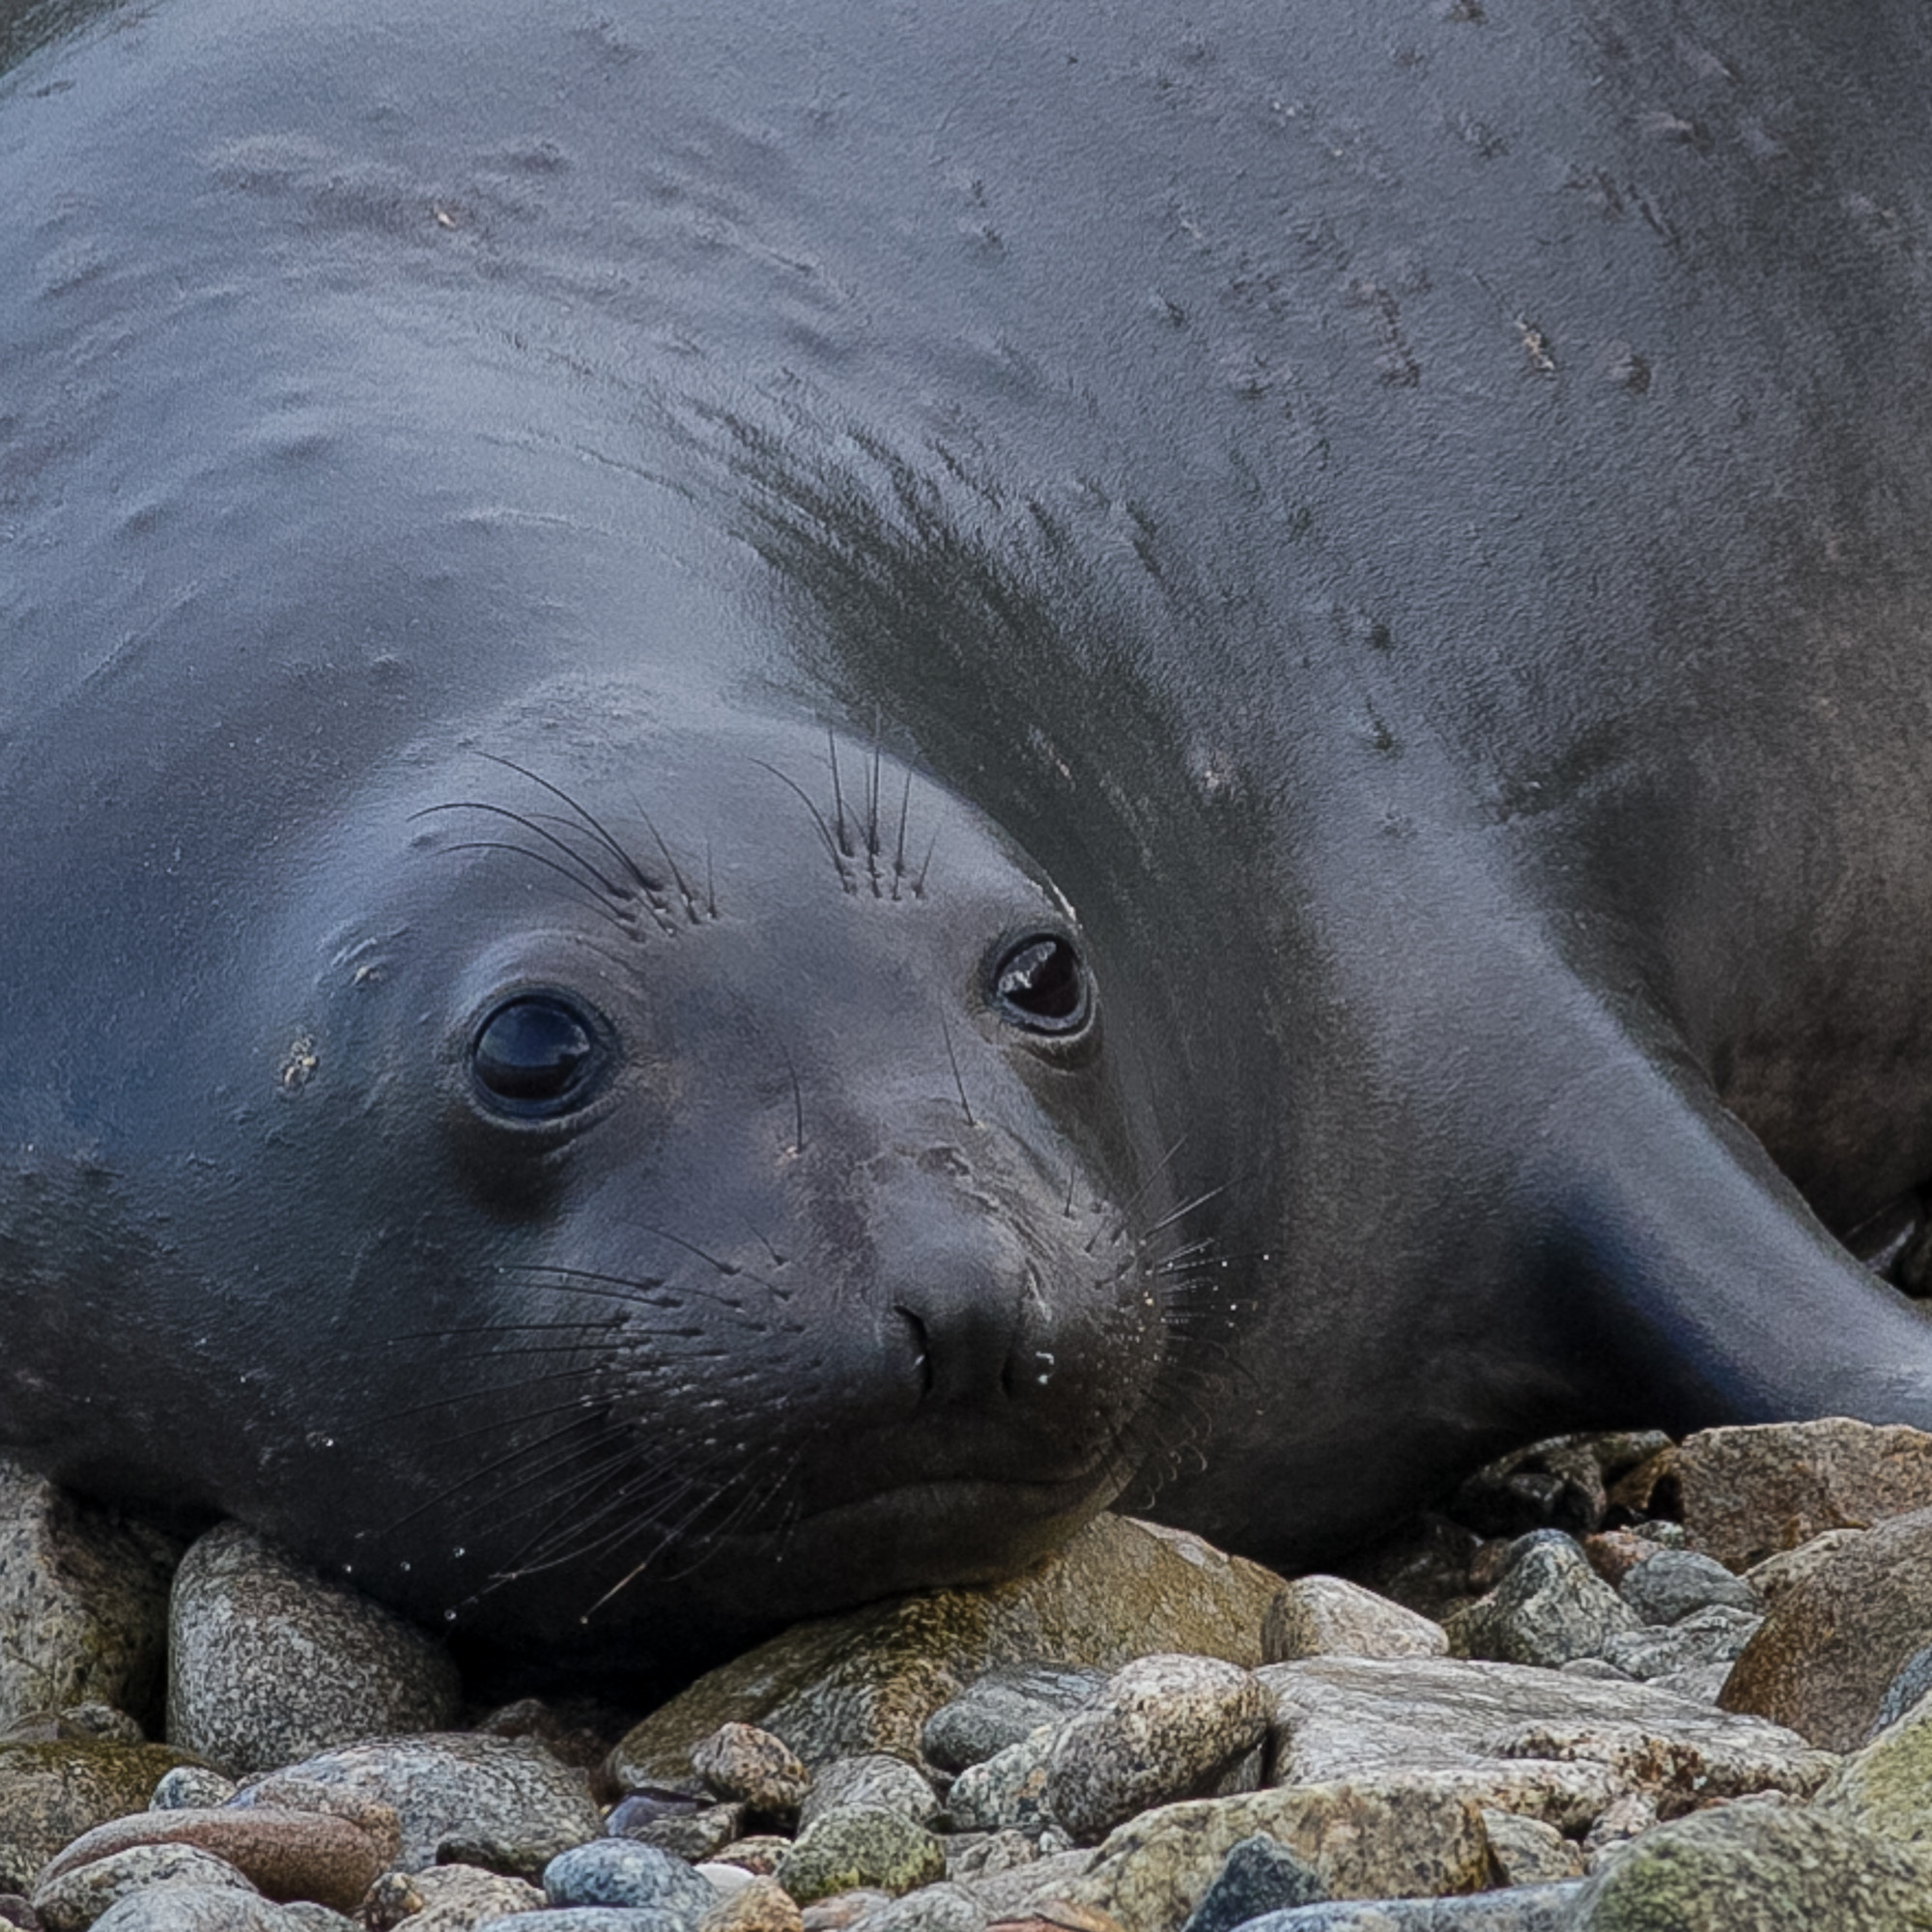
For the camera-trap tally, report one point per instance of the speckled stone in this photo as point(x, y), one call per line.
point(868, 1680)
point(1537, 1908)
point(1002, 1708)
point(1006, 1793)
point(1667, 1587)
point(195, 1908)
point(595, 1918)
point(1887, 1786)
point(1549, 1608)
point(933, 1908)
point(73, 1900)
point(1757, 1869)
point(1403, 1834)
point(1325, 1616)
point(621, 1872)
point(691, 1836)
point(268, 1662)
point(759, 1905)
point(192, 1787)
point(1752, 1491)
point(284, 1854)
point(1163, 1728)
point(1528, 1852)
point(83, 1603)
point(1260, 1875)
point(1716, 1634)
point(1823, 1656)
point(50, 1794)
point(446, 1899)
point(861, 1845)
point(504, 1804)
point(744, 1764)
point(872, 1778)
point(758, 1855)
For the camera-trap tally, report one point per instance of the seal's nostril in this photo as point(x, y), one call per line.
point(921, 1349)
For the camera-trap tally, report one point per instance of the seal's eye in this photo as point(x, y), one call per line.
point(1040, 985)
point(534, 1055)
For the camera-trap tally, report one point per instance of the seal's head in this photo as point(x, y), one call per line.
point(745, 1205)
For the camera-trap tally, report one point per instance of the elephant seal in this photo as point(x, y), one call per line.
point(787, 789)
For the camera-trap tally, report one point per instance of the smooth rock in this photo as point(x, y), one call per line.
point(1716, 1634)
point(50, 1794)
point(268, 1662)
point(1403, 1834)
point(1667, 1587)
point(285, 1853)
point(869, 1679)
point(758, 1855)
point(1757, 1869)
point(842, 1909)
point(1260, 1875)
point(861, 1845)
point(70, 1900)
point(192, 1787)
point(1539, 1908)
point(1007, 1792)
point(446, 1899)
point(1024, 1892)
point(594, 1918)
point(872, 1779)
point(1823, 1659)
point(1911, 1682)
point(691, 1836)
point(504, 1804)
point(742, 1763)
point(1162, 1729)
point(196, 1908)
point(1528, 1852)
point(759, 1905)
point(1887, 1786)
point(933, 1908)
point(1002, 1708)
point(83, 1603)
point(620, 1872)
point(1580, 1742)
point(1328, 1616)
point(1778, 1576)
point(1750, 1491)
point(972, 1854)
point(1549, 1606)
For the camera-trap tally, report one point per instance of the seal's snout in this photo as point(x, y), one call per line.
point(961, 1298)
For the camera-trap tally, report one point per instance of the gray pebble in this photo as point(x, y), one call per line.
point(932, 1908)
point(1165, 1727)
point(505, 1803)
point(591, 1919)
point(1002, 1708)
point(621, 1872)
point(1668, 1586)
point(1527, 1908)
point(77, 1899)
point(192, 1787)
point(1714, 1634)
point(194, 1908)
point(1260, 1875)
point(1911, 1682)
point(1005, 1793)
point(1549, 1606)
point(872, 1778)
point(268, 1661)
point(859, 1846)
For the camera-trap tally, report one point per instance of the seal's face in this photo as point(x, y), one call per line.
point(741, 1178)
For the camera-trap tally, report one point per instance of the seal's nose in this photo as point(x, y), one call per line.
point(963, 1292)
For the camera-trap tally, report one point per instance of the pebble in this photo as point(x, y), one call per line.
point(446, 1899)
point(1328, 1616)
point(1549, 1606)
point(192, 1787)
point(1668, 1587)
point(51, 1793)
point(1543, 1908)
point(596, 1919)
point(194, 1908)
point(861, 1845)
point(1162, 1729)
point(1002, 1708)
point(1008, 1791)
point(691, 1836)
point(872, 1779)
point(741, 1762)
point(268, 1661)
point(1714, 1634)
point(1259, 1876)
point(69, 1900)
point(758, 1905)
point(501, 1803)
point(284, 1854)
point(620, 1872)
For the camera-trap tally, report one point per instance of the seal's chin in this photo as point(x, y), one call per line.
point(920, 1536)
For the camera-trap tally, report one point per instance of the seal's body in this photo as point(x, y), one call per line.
point(1392, 539)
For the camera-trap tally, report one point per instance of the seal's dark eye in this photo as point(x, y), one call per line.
point(1040, 985)
point(534, 1055)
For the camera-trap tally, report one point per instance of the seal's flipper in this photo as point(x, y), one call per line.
point(1690, 1268)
